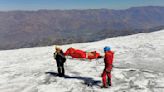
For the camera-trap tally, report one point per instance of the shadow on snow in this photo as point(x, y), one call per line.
point(87, 80)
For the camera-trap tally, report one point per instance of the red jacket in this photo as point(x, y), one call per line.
point(108, 60)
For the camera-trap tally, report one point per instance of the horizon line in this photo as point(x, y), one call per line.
point(79, 8)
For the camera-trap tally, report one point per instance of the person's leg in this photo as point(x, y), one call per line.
point(104, 79)
point(63, 71)
point(58, 68)
point(109, 79)
point(59, 71)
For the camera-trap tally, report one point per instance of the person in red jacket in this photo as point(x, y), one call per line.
point(108, 60)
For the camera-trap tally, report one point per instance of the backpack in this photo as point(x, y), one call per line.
point(64, 59)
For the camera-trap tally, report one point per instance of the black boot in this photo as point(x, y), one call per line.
point(104, 86)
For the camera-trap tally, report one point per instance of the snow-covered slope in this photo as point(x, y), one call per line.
point(138, 67)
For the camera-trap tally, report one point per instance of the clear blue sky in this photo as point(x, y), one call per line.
point(75, 4)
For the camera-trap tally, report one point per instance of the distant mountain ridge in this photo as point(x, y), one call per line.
point(46, 27)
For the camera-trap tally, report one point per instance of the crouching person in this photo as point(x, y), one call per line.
point(60, 60)
point(108, 60)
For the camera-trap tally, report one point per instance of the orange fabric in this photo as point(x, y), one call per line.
point(76, 53)
point(93, 55)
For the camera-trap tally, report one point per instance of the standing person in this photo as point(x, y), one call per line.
point(108, 60)
point(60, 60)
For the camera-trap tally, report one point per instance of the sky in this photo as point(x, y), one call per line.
point(75, 4)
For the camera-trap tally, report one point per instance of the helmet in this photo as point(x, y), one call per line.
point(106, 48)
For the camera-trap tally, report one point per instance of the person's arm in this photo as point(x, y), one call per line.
point(55, 55)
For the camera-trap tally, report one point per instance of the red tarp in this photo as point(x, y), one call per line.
point(76, 53)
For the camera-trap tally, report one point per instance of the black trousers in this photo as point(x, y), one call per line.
point(60, 69)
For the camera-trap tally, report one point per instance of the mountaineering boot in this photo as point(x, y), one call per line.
point(104, 86)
